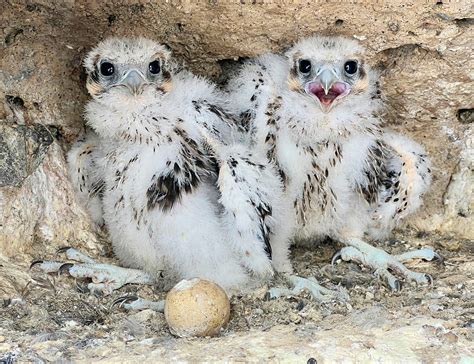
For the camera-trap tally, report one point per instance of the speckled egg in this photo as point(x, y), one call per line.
point(196, 307)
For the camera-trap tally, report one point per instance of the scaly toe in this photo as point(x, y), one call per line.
point(393, 282)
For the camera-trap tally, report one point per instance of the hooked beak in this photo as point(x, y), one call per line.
point(134, 80)
point(327, 88)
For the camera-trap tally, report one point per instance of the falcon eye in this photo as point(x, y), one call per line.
point(154, 67)
point(304, 66)
point(350, 67)
point(107, 69)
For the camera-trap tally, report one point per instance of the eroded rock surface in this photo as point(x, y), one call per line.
point(23, 150)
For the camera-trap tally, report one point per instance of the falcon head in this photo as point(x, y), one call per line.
point(329, 70)
point(126, 70)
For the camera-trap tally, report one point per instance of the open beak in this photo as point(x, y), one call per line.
point(134, 80)
point(327, 88)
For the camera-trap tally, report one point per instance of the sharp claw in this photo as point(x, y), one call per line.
point(123, 300)
point(267, 297)
point(35, 262)
point(335, 257)
point(6, 302)
point(82, 288)
point(439, 258)
point(396, 285)
point(62, 249)
point(429, 278)
point(65, 268)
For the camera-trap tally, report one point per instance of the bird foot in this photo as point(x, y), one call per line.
point(384, 264)
point(105, 278)
point(298, 284)
point(134, 303)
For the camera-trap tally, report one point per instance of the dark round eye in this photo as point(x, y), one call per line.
point(154, 67)
point(107, 69)
point(304, 66)
point(350, 67)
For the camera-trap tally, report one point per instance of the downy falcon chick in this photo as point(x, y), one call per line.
point(172, 176)
point(314, 113)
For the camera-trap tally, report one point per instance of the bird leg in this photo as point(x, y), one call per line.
point(298, 284)
point(384, 264)
point(134, 303)
point(105, 277)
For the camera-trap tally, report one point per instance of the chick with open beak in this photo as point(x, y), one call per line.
point(327, 88)
point(315, 112)
point(327, 82)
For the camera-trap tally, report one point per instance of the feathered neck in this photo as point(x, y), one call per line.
point(306, 121)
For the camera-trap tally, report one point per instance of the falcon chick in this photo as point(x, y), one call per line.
point(314, 112)
point(172, 176)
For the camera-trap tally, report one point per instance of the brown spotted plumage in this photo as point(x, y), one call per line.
point(179, 184)
point(346, 177)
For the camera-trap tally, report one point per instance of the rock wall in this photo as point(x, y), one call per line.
point(423, 50)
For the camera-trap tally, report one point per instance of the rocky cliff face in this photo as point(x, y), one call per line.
point(423, 51)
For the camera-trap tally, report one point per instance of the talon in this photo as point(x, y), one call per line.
point(65, 268)
point(82, 288)
point(438, 258)
point(123, 300)
point(429, 278)
point(267, 296)
point(35, 262)
point(6, 302)
point(63, 249)
point(396, 285)
point(337, 255)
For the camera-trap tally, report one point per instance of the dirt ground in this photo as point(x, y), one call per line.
point(49, 319)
